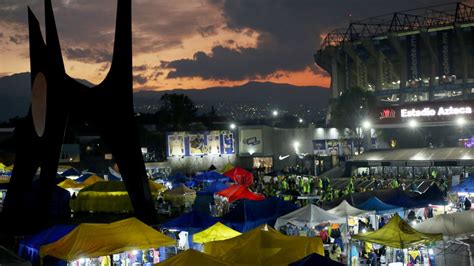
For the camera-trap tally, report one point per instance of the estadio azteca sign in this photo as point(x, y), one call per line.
point(441, 111)
point(424, 112)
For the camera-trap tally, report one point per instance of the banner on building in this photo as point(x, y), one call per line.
point(445, 53)
point(200, 143)
point(250, 141)
point(413, 57)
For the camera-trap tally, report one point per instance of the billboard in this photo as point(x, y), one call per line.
point(413, 57)
point(250, 141)
point(200, 143)
point(423, 112)
point(445, 53)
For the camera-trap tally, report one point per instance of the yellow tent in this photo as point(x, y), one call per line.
point(193, 257)
point(216, 232)
point(264, 246)
point(180, 196)
point(156, 186)
point(398, 234)
point(9, 168)
point(3, 167)
point(70, 184)
point(227, 167)
point(107, 197)
point(92, 180)
point(90, 240)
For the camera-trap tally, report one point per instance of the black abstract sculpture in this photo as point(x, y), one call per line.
point(56, 97)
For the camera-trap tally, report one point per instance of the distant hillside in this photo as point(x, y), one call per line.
point(15, 95)
point(284, 95)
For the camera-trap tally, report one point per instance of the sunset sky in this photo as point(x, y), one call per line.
point(193, 43)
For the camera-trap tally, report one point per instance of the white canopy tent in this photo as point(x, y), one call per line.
point(451, 225)
point(310, 215)
point(344, 209)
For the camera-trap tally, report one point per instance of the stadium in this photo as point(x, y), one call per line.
point(419, 64)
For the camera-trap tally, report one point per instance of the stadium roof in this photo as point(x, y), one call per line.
point(417, 155)
point(403, 21)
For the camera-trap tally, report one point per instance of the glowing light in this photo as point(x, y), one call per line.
point(134, 252)
point(412, 123)
point(296, 144)
point(364, 231)
point(300, 120)
point(366, 124)
point(460, 121)
point(275, 113)
point(430, 251)
point(232, 126)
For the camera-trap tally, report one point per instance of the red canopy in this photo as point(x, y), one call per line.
point(240, 176)
point(236, 192)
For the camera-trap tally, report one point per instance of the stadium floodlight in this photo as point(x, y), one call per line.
point(232, 126)
point(413, 123)
point(275, 113)
point(460, 121)
point(366, 124)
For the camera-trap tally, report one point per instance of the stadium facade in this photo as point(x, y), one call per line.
point(417, 63)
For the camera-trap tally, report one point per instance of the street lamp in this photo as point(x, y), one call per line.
point(412, 123)
point(296, 145)
point(232, 126)
point(460, 121)
point(275, 113)
point(366, 124)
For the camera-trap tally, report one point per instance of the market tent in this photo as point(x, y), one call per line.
point(264, 246)
point(114, 175)
point(398, 234)
point(236, 192)
point(466, 186)
point(385, 195)
point(216, 232)
point(92, 180)
point(106, 196)
point(71, 172)
point(248, 214)
point(344, 209)
point(211, 176)
point(193, 257)
point(240, 176)
point(315, 259)
point(2, 167)
point(70, 184)
point(215, 187)
point(380, 207)
point(29, 247)
point(227, 167)
point(310, 215)
point(450, 225)
point(433, 195)
point(191, 221)
point(83, 177)
point(398, 197)
point(180, 196)
point(177, 176)
point(8, 258)
point(90, 240)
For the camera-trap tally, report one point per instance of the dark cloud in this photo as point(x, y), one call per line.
point(208, 30)
point(288, 35)
point(140, 68)
point(88, 55)
point(140, 79)
point(18, 38)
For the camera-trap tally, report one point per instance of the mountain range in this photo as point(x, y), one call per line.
point(15, 94)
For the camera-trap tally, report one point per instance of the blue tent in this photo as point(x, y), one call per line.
point(398, 197)
point(215, 187)
point(380, 207)
point(466, 186)
point(249, 214)
point(211, 176)
point(83, 177)
point(71, 172)
point(176, 176)
point(315, 259)
point(433, 195)
point(191, 220)
point(203, 202)
point(29, 247)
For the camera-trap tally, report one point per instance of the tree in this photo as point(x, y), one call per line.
point(177, 111)
point(349, 111)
